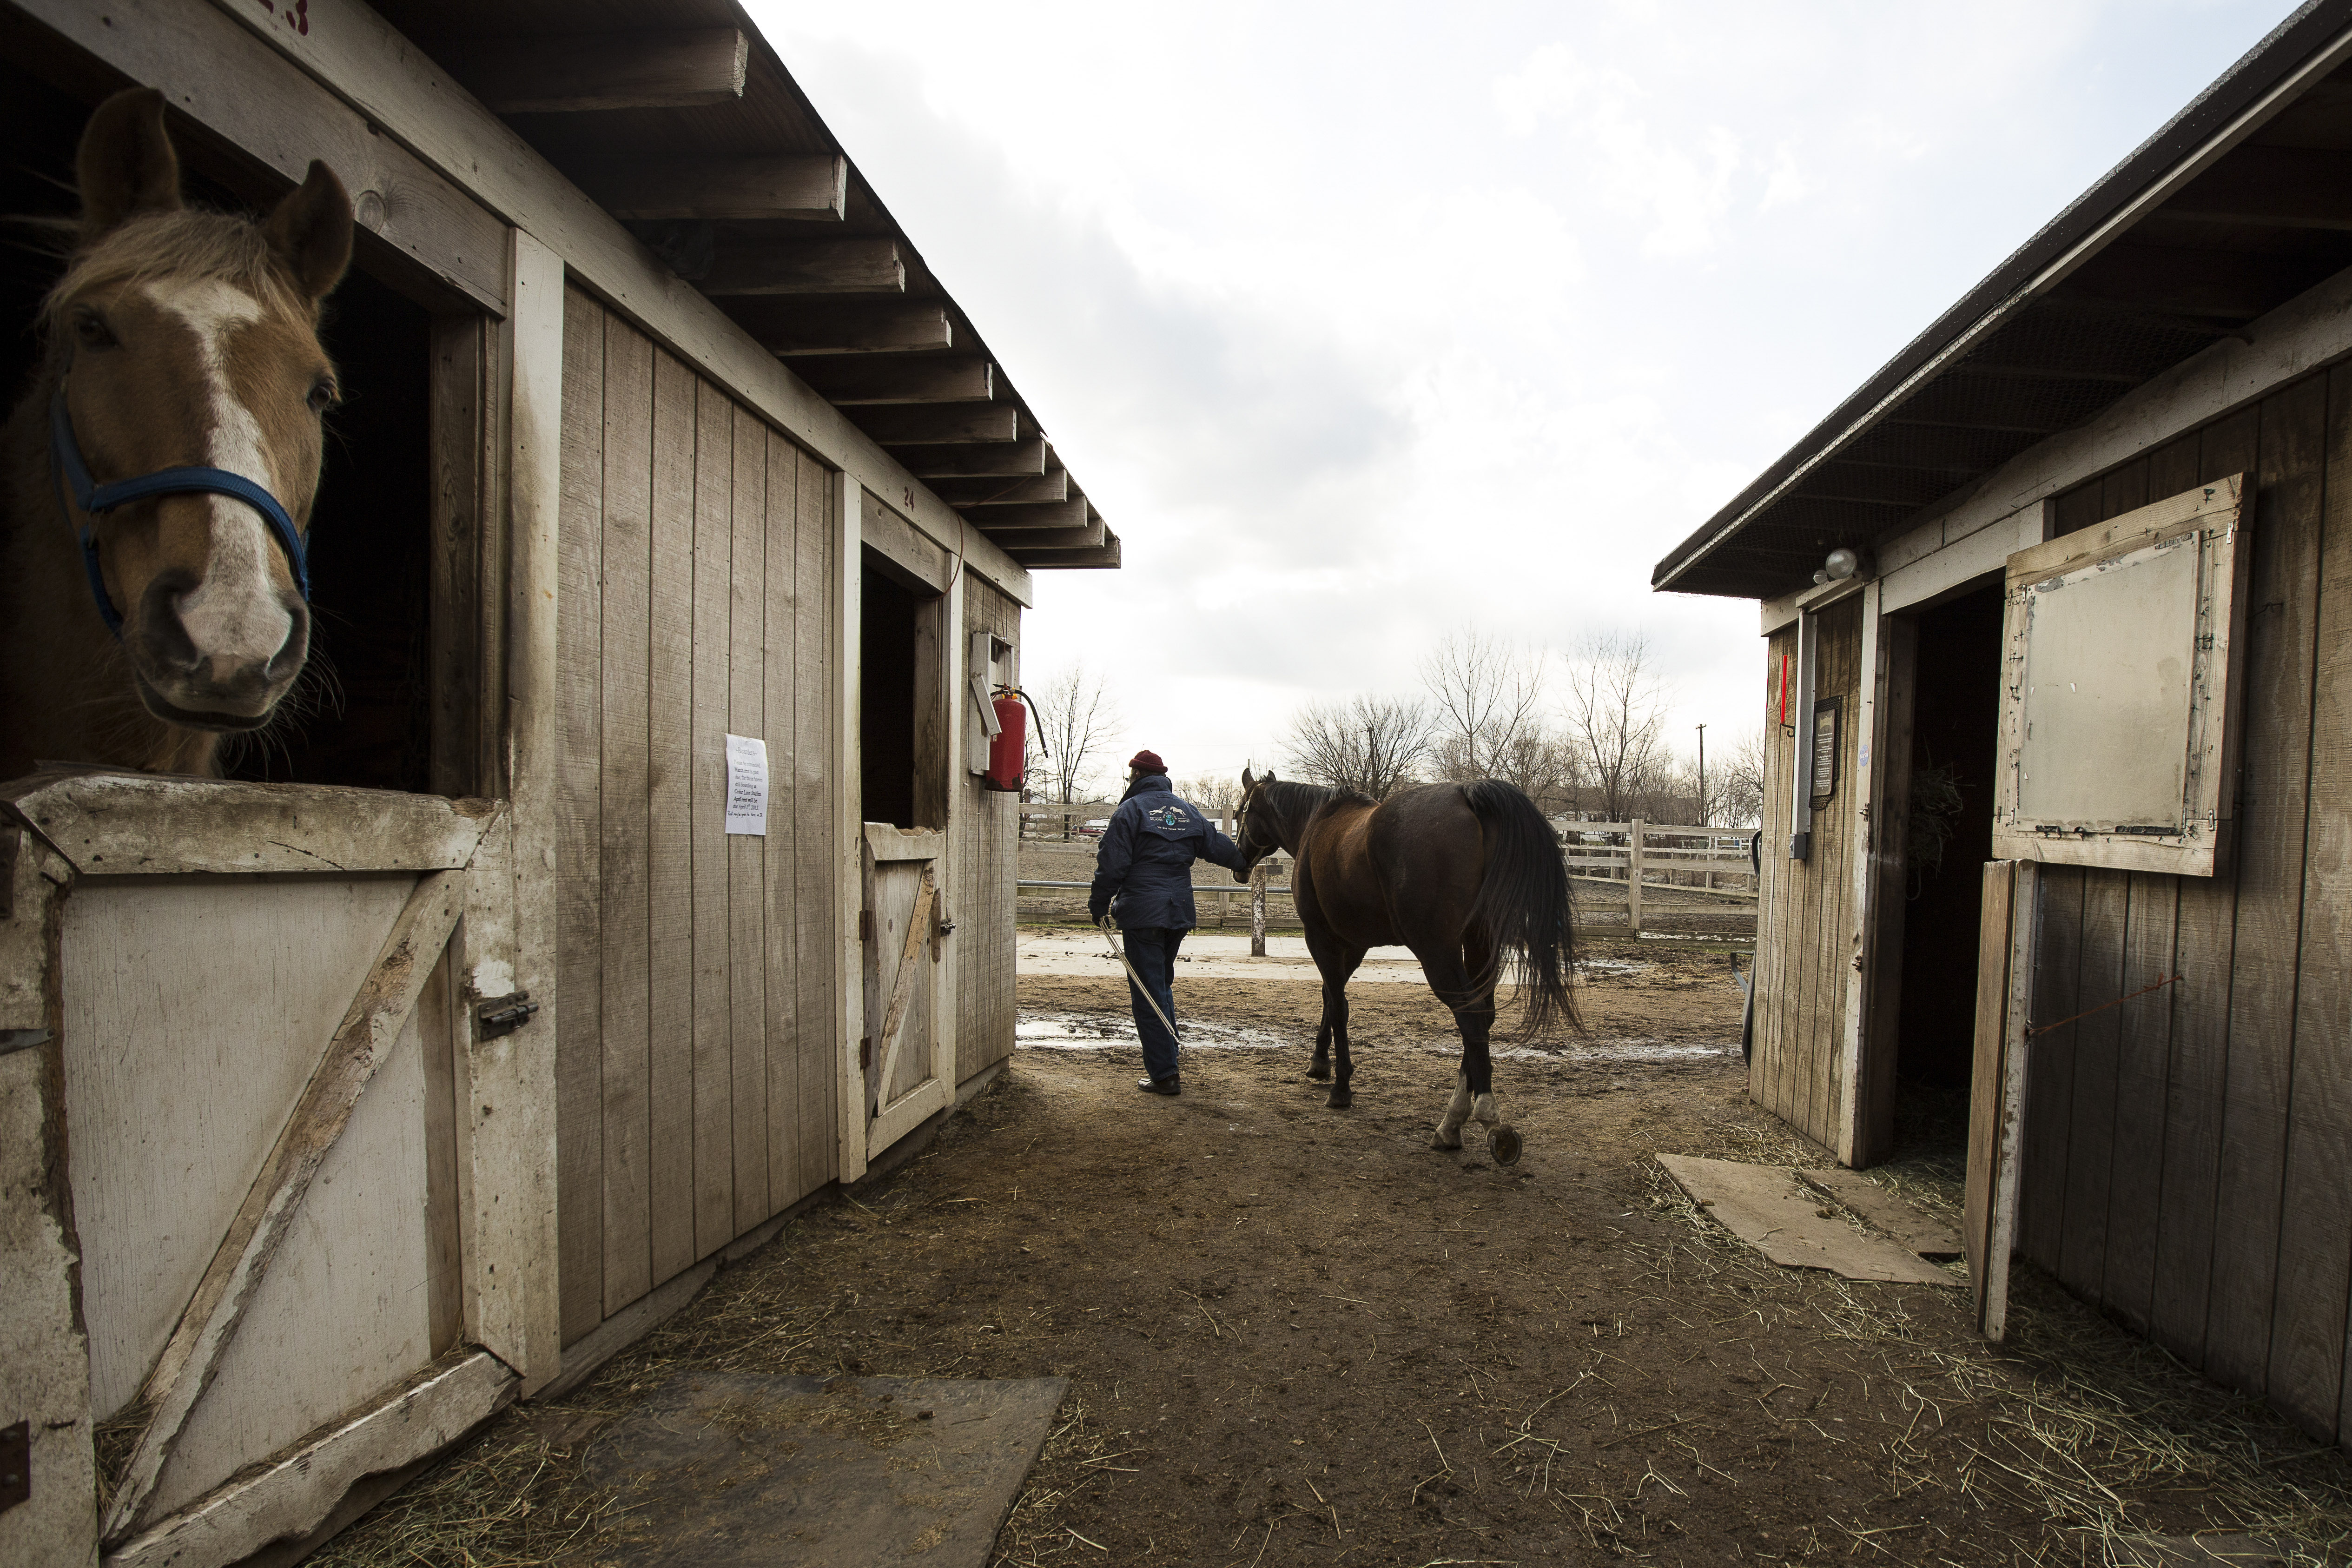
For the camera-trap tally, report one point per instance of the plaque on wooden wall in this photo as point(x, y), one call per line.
point(1825, 749)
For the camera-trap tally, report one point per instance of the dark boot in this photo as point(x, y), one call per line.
point(1160, 1085)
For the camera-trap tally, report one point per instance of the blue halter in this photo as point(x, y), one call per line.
point(94, 499)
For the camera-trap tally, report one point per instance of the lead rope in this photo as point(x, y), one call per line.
point(1118, 950)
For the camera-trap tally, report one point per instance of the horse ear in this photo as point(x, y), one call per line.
point(126, 166)
point(1247, 784)
point(310, 231)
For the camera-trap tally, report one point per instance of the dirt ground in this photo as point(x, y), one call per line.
point(1299, 1336)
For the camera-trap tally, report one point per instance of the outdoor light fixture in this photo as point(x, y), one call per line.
point(1841, 564)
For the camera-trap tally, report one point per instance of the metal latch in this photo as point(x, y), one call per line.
point(505, 1015)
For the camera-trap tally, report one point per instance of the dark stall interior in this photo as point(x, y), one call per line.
point(360, 715)
point(1956, 716)
point(886, 693)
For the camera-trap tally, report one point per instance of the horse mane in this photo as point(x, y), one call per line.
point(190, 242)
point(1289, 796)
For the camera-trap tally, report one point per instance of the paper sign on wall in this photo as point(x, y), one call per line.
point(746, 785)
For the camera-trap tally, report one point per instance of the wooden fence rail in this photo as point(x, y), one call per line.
point(1635, 863)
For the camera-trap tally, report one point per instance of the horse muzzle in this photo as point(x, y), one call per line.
point(202, 689)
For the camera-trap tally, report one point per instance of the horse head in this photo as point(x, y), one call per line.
point(1255, 833)
point(187, 388)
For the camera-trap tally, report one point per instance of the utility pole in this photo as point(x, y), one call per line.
point(1702, 775)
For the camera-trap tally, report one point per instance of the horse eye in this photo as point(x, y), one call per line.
point(323, 395)
point(91, 331)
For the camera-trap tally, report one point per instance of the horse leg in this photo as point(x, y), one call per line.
point(1456, 975)
point(1476, 1022)
point(1338, 963)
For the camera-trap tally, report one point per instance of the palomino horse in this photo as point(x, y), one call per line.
point(160, 473)
point(1464, 875)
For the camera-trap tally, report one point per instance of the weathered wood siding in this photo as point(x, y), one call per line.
point(696, 1062)
point(1804, 949)
point(2189, 1154)
point(985, 836)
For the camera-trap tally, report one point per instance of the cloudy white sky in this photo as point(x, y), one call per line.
point(1365, 323)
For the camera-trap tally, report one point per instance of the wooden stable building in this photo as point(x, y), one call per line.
point(2058, 621)
point(457, 1035)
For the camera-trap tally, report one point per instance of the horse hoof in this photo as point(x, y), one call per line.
point(1503, 1143)
point(1318, 1074)
point(1340, 1100)
point(1441, 1142)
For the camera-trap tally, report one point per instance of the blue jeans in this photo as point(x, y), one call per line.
point(1152, 952)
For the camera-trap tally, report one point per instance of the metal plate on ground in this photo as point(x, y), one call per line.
point(728, 1470)
point(1927, 1235)
point(1768, 1208)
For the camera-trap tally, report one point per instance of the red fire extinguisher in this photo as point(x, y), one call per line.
point(1007, 752)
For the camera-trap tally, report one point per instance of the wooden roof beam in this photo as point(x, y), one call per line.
point(864, 265)
point(1005, 459)
point(867, 379)
point(1102, 556)
point(936, 424)
point(732, 190)
point(591, 73)
point(1089, 536)
point(844, 329)
point(976, 498)
point(1059, 516)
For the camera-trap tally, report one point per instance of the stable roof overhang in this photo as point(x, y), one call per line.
point(678, 117)
point(2237, 205)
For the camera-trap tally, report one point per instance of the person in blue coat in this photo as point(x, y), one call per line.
point(1143, 876)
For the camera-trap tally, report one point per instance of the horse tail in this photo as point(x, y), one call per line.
point(1523, 900)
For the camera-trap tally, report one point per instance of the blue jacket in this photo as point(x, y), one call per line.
point(1146, 857)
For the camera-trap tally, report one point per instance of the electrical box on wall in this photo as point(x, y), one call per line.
point(988, 662)
point(2120, 677)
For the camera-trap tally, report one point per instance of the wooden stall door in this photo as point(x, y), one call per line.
point(1807, 914)
point(296, 1265)
point(909, 1060)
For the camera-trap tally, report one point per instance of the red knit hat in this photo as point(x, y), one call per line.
point(1149, 761)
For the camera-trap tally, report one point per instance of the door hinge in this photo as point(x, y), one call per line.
point(866, 1053)
point(866, 925)
point(504, 1014)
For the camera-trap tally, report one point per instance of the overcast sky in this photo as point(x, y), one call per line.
point(1361, 323)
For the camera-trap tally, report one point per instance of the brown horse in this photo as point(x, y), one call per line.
point(1464, 875)
point(161, 470)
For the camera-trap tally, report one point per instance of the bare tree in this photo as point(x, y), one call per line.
point(1737, 784)
point(1212, 792)
point(1078, 725)
point(1615, 710)
point(1368, 744)
point(1544, 767)
point(1486, 703)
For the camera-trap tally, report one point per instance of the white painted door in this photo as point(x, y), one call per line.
point(908, 1056)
